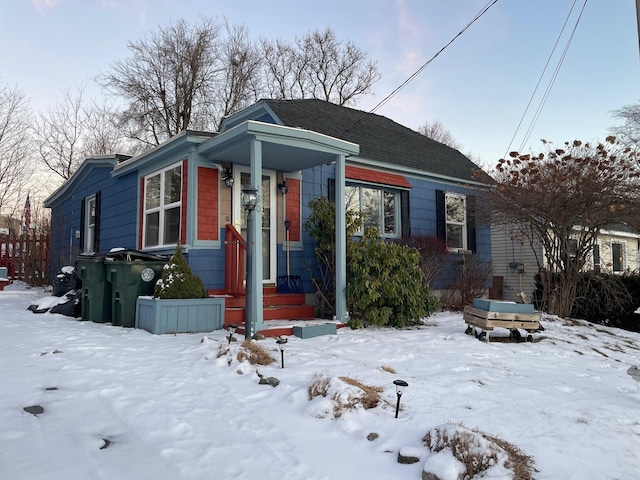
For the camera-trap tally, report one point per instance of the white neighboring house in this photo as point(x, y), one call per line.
point(514, 258)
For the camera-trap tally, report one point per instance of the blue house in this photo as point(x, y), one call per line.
point(189, 189)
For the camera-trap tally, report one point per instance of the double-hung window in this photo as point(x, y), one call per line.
point(380, 208)
point(456, 220)
point(162, 205)
point(90, 223)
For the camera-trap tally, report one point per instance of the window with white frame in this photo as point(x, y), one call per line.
point(162, 205)
point(380, 208)
point(89, 224)
point(456, 220)
point(617, 257)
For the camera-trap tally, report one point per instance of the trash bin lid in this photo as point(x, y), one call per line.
point(131, 255)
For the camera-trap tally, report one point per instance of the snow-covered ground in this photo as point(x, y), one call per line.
point(167, 407)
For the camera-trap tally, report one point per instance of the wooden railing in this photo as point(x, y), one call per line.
point(235, 250)
point(26, 258)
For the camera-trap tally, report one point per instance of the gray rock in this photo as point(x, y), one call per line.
point(274, 382)
point(34, 410)
point(429, 476)
point(407, 460)
point(372, 436)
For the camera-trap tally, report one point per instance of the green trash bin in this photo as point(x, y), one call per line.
point(95, 303)
point(132, 274)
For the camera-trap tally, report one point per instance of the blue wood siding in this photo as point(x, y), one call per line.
point(118, 216)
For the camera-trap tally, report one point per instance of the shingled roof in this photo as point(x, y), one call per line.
point(380, 138)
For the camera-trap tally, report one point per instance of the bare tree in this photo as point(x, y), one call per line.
point(318, 65)
point(240, 85)
point(71, 131)
point(628, 132)
point(16, 168)
point(436, 130)
point(561, 199)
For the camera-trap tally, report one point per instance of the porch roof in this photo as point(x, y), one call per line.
point(283, 148)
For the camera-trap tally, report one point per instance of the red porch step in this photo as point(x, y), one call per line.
point(276, 306)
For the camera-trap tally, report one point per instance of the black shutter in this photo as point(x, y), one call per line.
point(82, 223)
point(441, 225)
point(96, 229)
point(471, 223)
point(331, 189)
point(405, 214)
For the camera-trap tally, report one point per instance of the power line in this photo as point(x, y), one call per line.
point(551, 82)
point(419, 71)
point(553, 78)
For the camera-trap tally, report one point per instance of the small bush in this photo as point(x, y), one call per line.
point(177, 279)
point(471, 279)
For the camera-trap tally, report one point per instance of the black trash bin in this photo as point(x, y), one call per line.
point(95, 303)
point(132, 274)
point(65, 281)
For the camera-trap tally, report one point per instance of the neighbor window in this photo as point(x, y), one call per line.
point(380, 208)
point(617, 259)
point(162, 204)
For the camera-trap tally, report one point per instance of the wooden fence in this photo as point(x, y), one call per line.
point(26, 257)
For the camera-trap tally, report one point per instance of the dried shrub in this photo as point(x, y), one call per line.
point(254, 354)
point(433, 255)
point(222, 350)
point(472, 277)
point(388, 369)
point(343, 397)
point(479, 451)
point(319, 386)
point(371, 397)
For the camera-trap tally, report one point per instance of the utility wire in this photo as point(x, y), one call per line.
point(552, 81)
point(544, 70)
point(419, 71)
point(553, 78)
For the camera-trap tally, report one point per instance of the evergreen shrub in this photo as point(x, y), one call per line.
point(177, 280)
point(385, 283)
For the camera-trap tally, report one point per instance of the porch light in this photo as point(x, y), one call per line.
point(282, 341)
point(232, 330)
point(400, 386)
point(227, 177)
point(249, 198)
point(284, 189)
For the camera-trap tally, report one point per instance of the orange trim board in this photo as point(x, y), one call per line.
point(357, 173)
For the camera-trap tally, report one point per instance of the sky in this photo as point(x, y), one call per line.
point(121, 403)
point(479, 87)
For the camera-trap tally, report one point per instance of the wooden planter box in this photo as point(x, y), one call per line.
point(179, 316)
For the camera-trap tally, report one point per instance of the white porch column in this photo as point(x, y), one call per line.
point(341, 242)
point(256, 305)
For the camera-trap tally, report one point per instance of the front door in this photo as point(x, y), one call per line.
point(267, 207)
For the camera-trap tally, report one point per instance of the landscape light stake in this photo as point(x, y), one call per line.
point(232, 330)
point(281, 343)
point(400, 386)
